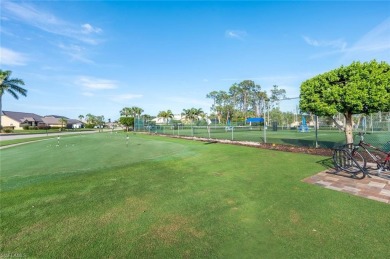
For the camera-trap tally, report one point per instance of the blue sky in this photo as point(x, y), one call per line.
point(79, 57)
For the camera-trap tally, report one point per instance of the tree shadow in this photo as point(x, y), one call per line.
point(310, 143)
point(211, 142)
point(327, 163)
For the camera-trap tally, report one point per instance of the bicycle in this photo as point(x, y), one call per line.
point(383, 166)
point(346, 158)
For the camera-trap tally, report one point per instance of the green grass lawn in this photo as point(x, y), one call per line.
point(96, 196)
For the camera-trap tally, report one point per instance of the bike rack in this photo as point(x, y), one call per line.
point(346, 149)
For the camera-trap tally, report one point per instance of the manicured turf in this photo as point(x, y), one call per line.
point(95, 196)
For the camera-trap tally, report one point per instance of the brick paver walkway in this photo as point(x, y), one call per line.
point(375, 188)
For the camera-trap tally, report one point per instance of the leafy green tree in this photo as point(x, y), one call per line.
point(259, 101)
point(225, 106)
point(354, 89)
point(276, 115)
point(218, 106)
point(246, 92)
point(10, 85)
point(276, 95)
point(100, 121)
point(127, 122)
point(91, 120)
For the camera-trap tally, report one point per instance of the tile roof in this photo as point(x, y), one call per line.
point(23, 116)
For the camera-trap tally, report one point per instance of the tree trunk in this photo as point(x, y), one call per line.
point(348, 128)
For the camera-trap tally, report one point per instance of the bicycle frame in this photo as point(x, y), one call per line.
point(380, 164)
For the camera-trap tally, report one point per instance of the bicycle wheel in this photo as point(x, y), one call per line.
point(350, 162)
point(386, 165)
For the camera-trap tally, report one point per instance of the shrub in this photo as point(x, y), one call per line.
point(44, 127)
point(8, 129)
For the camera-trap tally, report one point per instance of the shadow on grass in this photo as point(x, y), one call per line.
point(210, 142)
point(327, 163)
point(310, 143)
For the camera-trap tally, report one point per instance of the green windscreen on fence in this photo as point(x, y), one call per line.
point(327, 135)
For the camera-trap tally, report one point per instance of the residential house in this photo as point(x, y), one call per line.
point(55, 121)
point(17, 120)
point(160, 120)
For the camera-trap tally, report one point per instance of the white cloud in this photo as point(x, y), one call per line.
point(375, 44)
point(76, 52)
point(337, 44)
point(48, 22)
point(87, 28)
point(96, 83)
point(235, 34)
point(125, 97)
point(12, 58)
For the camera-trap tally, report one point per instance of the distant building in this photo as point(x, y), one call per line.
point(55, 121)
point(17, 120)
point(160, 120)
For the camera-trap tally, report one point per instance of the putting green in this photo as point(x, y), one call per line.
point(81, 153)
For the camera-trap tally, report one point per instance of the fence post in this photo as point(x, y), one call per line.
point(316, 125)
point(232, 128)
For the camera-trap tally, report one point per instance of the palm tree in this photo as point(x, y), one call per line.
point(90, 118)
point(166, 115)
point(126, 111)
point(10, 85)
point(147, 117)
point(63, 121)
point(137, 113)
point(81, 117)
point(192, 114)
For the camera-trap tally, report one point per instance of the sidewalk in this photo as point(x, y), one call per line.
point(374, 188)
point(24, 136)
point(5, 136)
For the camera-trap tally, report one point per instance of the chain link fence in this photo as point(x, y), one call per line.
point(325, 135)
